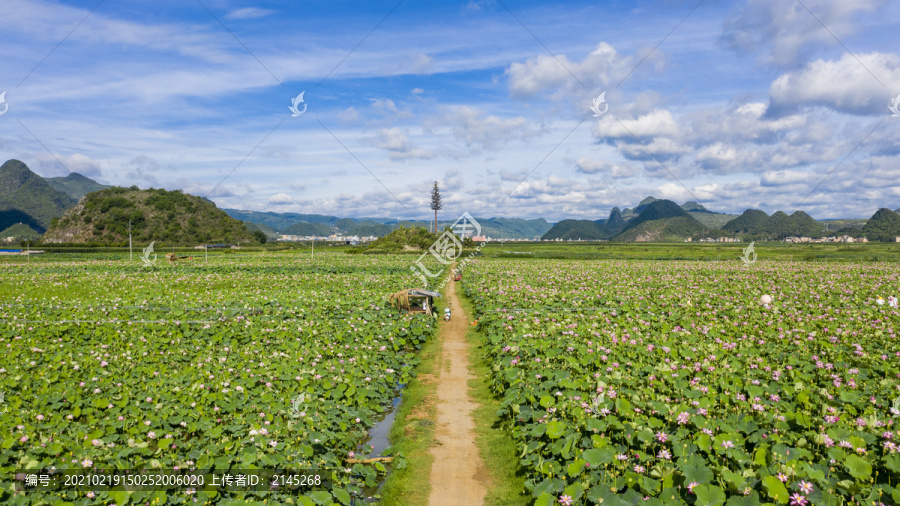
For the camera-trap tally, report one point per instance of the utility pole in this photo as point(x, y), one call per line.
point(130, 254)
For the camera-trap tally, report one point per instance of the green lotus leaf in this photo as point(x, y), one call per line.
point(709, 495)
point(775, 489)
point(556, 429)
point(858, 467)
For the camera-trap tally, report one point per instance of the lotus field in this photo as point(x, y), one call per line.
point(256, 361)
point(630, 382)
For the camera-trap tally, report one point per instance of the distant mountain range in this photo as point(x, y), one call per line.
point(323, 225)
point(664, 220)
point(651, 220)
point(30, 205)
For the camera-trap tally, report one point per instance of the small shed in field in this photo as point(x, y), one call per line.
point(414, 300)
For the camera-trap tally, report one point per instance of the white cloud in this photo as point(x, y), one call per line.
point(718, 156)
point(743, 123)
point(477, 5)
point(786, 177)
point(249, 12)
point(678, 193)
point(420, 63)
point(590, 166)
point(659, 149)
point(650, 137)
point(385, 105)
point(388, 110)
point(602, 67)
point(56, 165)
point(417, 91)
point(399, 147)
point(785, 32)
point(281, 199)
point(478, 129)
point(658, 122)
point(845, 85)
point(348, 116)
point(142, 169)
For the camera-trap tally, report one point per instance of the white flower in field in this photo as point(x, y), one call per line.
point(892, 301)
point(765, 299)
point(879, 301)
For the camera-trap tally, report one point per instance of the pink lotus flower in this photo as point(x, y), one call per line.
point(798, 500)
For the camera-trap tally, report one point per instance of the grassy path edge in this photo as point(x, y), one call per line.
point(498, 449)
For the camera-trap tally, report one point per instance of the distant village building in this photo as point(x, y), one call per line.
point(843, 239)
point(716, 239)
point(351, 239)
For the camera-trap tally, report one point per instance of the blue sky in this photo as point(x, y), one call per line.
point(769, 104)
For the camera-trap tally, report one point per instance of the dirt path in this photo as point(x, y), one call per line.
point(458, 473)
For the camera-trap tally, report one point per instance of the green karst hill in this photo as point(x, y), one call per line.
point(408, 239)
point(661, 220)
point(758, 224)
point(102, 217)
point(27, 198)
point(75, 185)
point(19, 232)
point(884, 226)
point(658, 220)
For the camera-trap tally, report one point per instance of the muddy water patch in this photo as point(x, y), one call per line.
point(374, 447)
